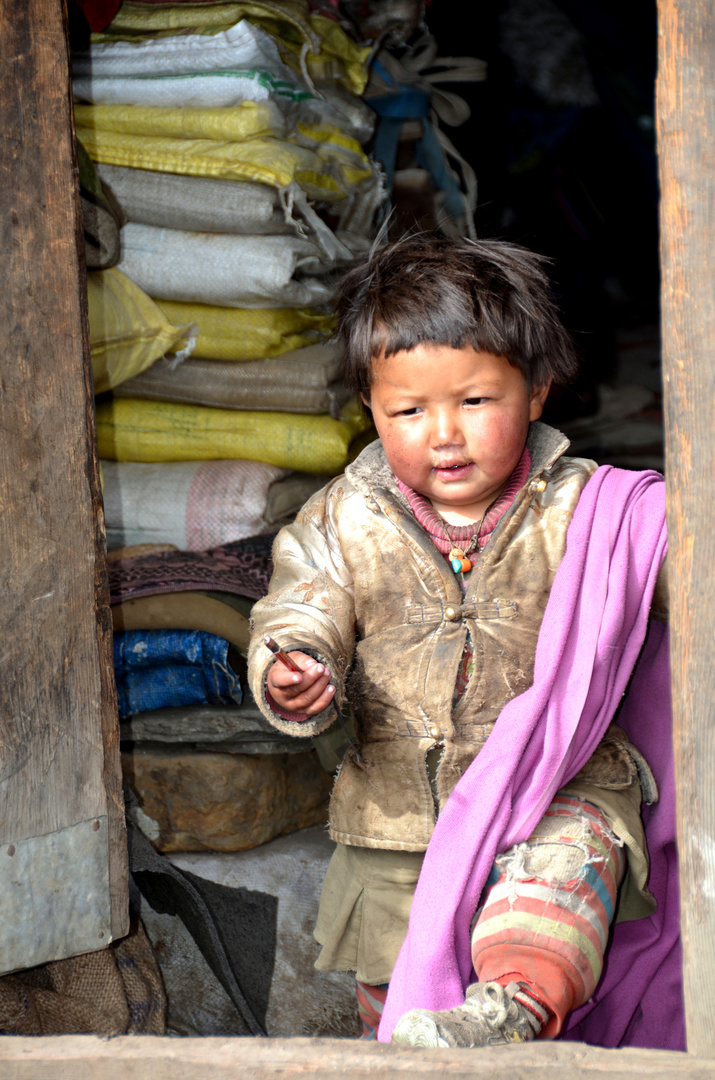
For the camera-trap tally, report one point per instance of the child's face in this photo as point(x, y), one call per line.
point(453, 423)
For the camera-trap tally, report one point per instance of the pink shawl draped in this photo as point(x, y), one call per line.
point(591, 638)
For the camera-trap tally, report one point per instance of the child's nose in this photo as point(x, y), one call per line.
point(446, 430)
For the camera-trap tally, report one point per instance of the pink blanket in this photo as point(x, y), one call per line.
point(592, 635)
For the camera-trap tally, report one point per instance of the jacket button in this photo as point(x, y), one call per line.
point(435, 733)
point(450, 613)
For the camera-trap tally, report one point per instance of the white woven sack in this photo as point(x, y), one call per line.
point(193, 505)
point(201, 204)
point(205, 89)
point(211, 71)
point(230, 271)
point(242, 46)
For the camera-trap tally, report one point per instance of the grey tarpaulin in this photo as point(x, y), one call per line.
point(235, 929)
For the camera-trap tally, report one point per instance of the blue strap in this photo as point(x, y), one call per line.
point(408, 103)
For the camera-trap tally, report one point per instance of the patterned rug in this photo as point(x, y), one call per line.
point(242, 567)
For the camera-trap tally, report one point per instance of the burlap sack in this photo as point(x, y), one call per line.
point(115, 991)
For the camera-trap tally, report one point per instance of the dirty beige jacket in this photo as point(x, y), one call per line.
point(359, 585)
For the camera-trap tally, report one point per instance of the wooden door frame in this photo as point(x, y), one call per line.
point(685, 126)
point(61, 798)
point(686, 151)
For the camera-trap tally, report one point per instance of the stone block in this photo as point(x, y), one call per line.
point(192, 800)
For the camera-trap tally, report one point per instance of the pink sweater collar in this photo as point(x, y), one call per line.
point(447, 536)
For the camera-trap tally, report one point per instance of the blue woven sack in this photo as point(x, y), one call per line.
point(155, 669)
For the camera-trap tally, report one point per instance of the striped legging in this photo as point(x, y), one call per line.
point(545, 913)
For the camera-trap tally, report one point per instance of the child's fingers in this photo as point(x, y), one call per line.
point(295, 682)
point(321, 702)
point(307, 701)
point(307, 691)
point(301, 696)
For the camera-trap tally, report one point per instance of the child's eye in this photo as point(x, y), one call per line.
point(475, 400)
point(409, 412)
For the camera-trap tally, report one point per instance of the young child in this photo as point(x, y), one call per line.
point(415, 585)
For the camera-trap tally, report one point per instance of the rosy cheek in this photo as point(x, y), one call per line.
point(501, 439)
point(400, 453)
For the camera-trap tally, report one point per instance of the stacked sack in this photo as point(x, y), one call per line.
point(228, 137)
point(213, 126)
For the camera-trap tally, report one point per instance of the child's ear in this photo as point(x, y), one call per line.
point(539, 395)
point(365, 400)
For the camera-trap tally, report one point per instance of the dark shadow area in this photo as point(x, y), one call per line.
point(562, 139)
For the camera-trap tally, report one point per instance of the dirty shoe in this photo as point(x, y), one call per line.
point(491, 1014)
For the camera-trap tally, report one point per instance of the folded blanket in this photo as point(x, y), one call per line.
point(242, 568)
point(591, 637)
point(305, 381)
point(196, 505)
point(155, 669)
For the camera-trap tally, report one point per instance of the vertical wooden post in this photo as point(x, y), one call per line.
point(63, 874)
point(686, 140)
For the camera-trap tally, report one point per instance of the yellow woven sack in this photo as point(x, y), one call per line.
point(248, 333)
point(342, 156)
point(248, 120)
point(135, 21)
point(338, 48)
point(129, 429)
point(267, 160)
point(127, 331)
point(338, 59)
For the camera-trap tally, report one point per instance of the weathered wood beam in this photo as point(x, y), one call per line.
point(686, 146)
point(63, 873)
point(86, 1057)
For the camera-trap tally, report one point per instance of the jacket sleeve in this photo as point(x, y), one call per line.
point(309, 606)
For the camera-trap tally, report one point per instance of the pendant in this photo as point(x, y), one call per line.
point(460, 562)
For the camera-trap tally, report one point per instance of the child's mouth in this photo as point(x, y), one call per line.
point(454, 471)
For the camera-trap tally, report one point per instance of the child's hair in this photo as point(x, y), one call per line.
point(425, 289)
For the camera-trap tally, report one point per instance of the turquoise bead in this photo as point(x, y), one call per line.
point(456, 565)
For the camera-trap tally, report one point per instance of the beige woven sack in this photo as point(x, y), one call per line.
point(303, 381)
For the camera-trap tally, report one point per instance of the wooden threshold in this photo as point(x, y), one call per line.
point(144, 1057)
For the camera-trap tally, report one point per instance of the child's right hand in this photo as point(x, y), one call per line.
point(307, 692)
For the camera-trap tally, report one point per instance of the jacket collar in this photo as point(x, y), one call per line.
point(372, 476)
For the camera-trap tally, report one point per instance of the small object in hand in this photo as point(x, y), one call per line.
point(275, 648)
